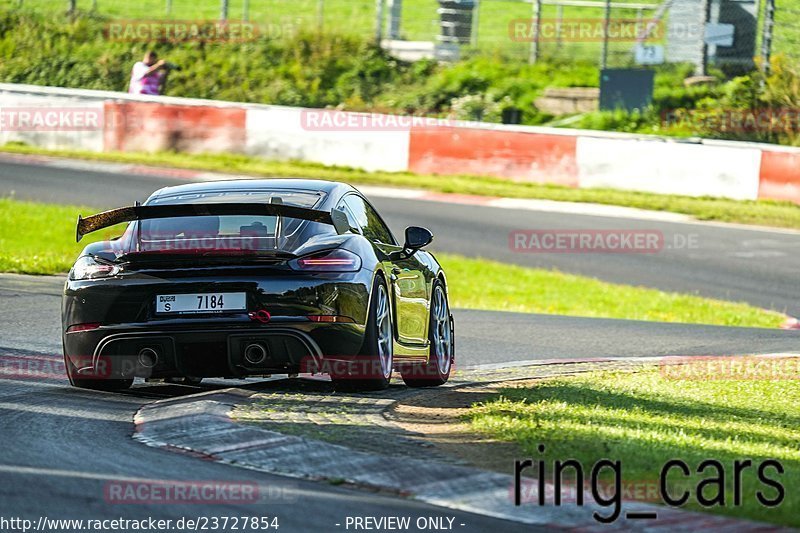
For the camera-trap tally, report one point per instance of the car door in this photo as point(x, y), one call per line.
point(407, 276)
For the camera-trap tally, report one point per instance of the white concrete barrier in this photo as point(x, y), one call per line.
point(668, 167)
point(52, 122)
point(296, 133)
point(578, 158)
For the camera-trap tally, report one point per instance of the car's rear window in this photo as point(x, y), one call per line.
point(229, 233)
point(299, 198)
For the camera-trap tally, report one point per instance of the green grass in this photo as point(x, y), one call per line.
point(644, 420)
point(483, 284)
point(761, 212)
point(40, 239)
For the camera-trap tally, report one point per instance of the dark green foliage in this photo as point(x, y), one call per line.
point(347, 71)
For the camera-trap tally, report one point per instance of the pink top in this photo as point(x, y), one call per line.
point(142, 83)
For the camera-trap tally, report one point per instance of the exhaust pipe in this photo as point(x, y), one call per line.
point(255, 353)
point(147, 357)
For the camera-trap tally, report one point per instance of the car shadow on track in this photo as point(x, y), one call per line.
point(282, 384)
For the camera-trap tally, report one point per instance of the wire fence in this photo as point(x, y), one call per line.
point(356, 16)
point(529, 30)
point(504, 26)
point(785, 30)
point(612, 33)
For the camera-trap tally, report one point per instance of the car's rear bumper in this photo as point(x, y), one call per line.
point(110, 321)
point(208, 350)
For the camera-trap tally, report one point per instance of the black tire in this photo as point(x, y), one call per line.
point(436, 371)
point(185, 380)
point(94, 384)
point(373, 361)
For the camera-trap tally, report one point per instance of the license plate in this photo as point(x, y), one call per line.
point(201, 303)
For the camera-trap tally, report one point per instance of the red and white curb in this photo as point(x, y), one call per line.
point(791, 323)
point(200, 425)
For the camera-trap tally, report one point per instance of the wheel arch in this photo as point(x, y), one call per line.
point(441, 278)
point(379, 272)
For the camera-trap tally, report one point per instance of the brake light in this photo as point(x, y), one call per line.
point(324, 261)
point(83, 327)
point(330, 261)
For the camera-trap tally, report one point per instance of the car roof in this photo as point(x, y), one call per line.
point(330, 188)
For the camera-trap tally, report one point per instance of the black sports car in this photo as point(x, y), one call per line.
point(254, 278)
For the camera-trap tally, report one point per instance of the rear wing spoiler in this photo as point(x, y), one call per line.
point(106, 219)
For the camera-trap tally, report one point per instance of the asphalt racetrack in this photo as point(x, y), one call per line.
point(62, 446)
point(758, 266)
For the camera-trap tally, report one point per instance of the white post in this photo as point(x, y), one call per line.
point(537, 20)
point(559, 21)
point(606, 20)
point(476, 21)
point(395, 18)
point(379, 4)
point(223, 10)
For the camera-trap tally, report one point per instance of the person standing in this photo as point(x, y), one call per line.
point(149, 75)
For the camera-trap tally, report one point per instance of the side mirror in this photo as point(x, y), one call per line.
point(340, 222)
point(417, 238)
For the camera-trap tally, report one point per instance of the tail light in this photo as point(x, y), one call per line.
point(337, 260)
point(88, 326)
point(87, 267)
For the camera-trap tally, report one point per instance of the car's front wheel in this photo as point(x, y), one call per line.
point(372, 370)
point(436, 371)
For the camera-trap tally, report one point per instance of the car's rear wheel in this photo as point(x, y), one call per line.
point(372, 370)
point(76, 380)
point(436, 371)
